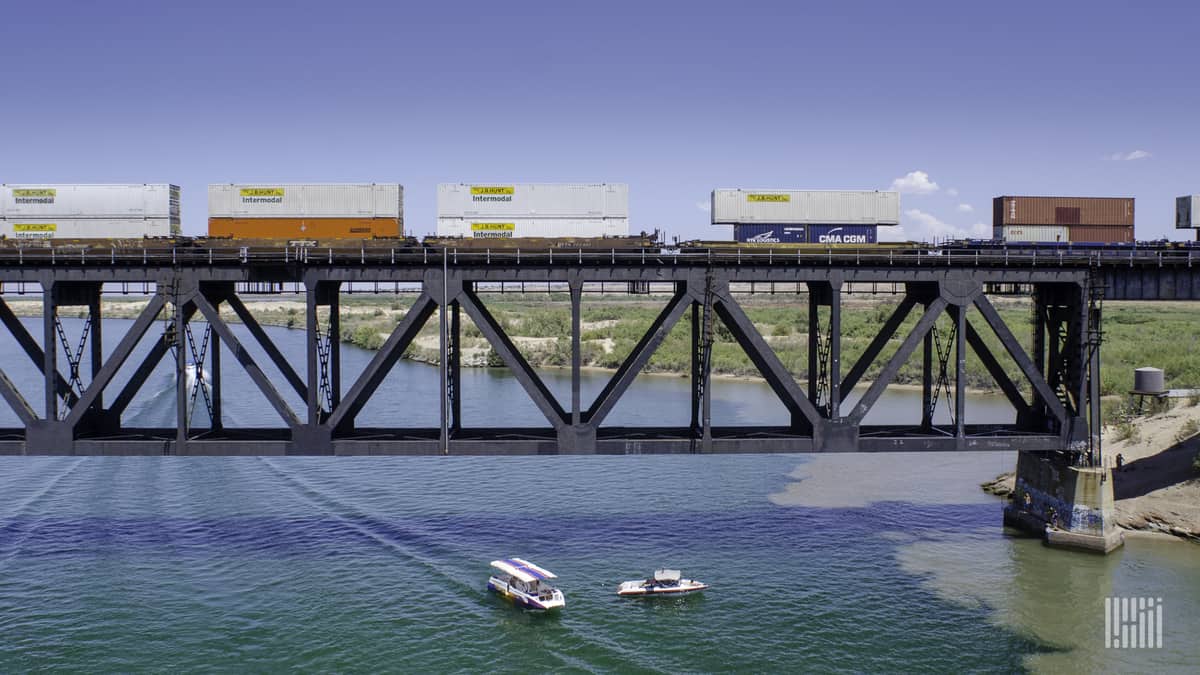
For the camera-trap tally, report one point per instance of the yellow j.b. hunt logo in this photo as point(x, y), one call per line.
point(34, 195)
point(262, 192)
point(760, 197)
point(492, 227)
point(492, 190)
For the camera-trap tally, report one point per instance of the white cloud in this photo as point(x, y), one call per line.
point(704, 206)
point(965, 208)
point(915, 182)
point(953, 192)
point(1128, 156)
point(921, 226)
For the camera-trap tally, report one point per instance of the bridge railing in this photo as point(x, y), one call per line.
point(424, 256)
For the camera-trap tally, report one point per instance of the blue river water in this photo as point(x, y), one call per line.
point(888, 563)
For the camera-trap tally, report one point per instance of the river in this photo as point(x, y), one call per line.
point(843, 563)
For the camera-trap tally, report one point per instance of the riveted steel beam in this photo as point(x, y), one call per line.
point(381, 364)
point(924, 325)
point(637, 359)
point(246, 360)
point(268, 345)
point(1035, 379)
point(542, 397)
point(765, 359)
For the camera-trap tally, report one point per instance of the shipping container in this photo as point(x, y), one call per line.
point(1062, 211)
point(1042, 234)
point(533, 200)
point(805, 207)
point(770, 234)
point(283, 200)
point(842, 235)
point(1101, 234)
point(61, 201)
point(87, 228)
point(519, 228)
point(305, 228)
point(1187, 212)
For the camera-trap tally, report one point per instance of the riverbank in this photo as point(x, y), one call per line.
point(1157, 490)
point(539, 325)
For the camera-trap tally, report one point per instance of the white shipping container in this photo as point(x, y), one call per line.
point(805, 207)
point(515, 228)
point(1187, 212)
point(533, 200)
point(1032, 233)
point(294, 200)
point(87, 228)
point(137, 200)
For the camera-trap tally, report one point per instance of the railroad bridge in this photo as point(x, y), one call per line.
point(1055, 397)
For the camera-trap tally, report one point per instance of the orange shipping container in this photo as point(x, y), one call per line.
point(304, 228)
point(1070, 211)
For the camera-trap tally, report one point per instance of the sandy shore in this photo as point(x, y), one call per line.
point(1157, 490)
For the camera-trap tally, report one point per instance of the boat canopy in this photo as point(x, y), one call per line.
point(666, 575)
point(523, 569)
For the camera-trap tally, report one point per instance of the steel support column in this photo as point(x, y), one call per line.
point(215, 380)
point(454, 373)
point(835, 349)
point(575, 286)
point(181, 388)
point(49, 353)
point(927, 381)
point(959, 314)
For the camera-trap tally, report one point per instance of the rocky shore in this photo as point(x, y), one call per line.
point(1157, 489)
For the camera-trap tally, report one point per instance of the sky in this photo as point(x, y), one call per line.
point(953, 103)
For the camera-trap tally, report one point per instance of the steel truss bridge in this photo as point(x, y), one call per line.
point(1056, 397)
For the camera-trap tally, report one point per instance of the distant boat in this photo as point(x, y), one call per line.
point(664, 582)
point(521, 582)
point(192, 373)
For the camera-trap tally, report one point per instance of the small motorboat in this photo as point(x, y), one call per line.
point(521, 582)
point(664, 582)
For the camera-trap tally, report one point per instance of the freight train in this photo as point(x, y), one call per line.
point(532, 216)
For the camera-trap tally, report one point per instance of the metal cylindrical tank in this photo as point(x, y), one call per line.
point(1149, 381)
point(805, 207)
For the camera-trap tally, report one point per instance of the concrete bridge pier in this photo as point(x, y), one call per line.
point(1070, 506)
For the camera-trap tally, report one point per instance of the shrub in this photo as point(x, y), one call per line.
point(1128, 431)
point(1190, 428)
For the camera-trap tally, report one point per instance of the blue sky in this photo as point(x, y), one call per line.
point(983, 99)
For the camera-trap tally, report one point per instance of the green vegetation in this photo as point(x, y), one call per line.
point(1190, 428)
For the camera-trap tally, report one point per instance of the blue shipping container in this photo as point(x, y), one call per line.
point(770, 234)
point(841, 234)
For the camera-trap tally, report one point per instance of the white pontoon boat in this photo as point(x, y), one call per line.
point(521, 581)
point(664, 582)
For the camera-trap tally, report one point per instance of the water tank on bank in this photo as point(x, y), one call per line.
point(1149, 381)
